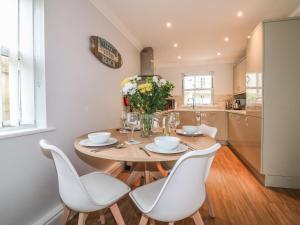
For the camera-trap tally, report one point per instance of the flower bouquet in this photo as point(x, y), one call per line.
point(147, 97)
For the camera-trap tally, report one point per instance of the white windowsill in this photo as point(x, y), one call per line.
point(24, 132)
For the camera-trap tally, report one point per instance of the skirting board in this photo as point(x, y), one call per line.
point(53, 216)
point(282, 182)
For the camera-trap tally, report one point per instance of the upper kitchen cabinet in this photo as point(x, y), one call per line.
point(255, 51)
point(254, 71)
point(239, 77)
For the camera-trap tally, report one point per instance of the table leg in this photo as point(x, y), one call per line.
point(147, 174)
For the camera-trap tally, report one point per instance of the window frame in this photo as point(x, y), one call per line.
point(210, 73)
point(38, 75)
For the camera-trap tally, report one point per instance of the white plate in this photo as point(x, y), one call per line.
point(152, 147)
point(181, 132)
point(88, 143)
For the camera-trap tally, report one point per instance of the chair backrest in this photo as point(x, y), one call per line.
point(209, 131)
point(71, 190)
point(183, 192)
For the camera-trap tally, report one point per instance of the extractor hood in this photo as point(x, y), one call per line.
point(147, 62)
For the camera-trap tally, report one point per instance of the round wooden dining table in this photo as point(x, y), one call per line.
point(134, 153)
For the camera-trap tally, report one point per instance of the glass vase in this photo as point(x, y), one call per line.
point(146, 124)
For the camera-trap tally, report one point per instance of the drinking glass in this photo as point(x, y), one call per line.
point(174, 121)
point(123, 119)
point(133, 121)
point(198, 118)
point(177, 119)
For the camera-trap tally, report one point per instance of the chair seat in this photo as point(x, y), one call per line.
point(103, 188)
point(145, 196)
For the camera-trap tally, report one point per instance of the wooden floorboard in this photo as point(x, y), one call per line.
point(238, 199)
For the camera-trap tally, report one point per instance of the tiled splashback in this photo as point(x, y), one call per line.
point(219, 101)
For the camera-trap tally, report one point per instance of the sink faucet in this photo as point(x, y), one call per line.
point(193, 102)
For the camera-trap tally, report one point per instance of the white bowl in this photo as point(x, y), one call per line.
point(167, 143)
point(190, 129)
point(99, 137)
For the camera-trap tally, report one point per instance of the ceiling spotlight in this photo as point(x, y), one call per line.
point(219, 53)
point(249, 37)
point(226, 39)
point(179, 57)
point(168, 24)
point(175, 45)
point(239, 14)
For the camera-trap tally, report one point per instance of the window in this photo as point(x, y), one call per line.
point(18, 48)
point(198, 89)
point(254, 89)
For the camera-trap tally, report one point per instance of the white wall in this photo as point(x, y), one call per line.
point(82, 96)
point(223, 76)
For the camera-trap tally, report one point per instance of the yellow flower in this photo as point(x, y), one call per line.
point(125, 81)
point(147, 87)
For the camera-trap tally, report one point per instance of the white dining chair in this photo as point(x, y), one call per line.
point(211, 132)
point(179, 195)
point(91, 192)
point(167, 166)
point(207, 130)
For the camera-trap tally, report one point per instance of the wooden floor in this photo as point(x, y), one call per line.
point(238, 199)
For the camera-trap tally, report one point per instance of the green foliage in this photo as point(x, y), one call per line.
point(149, 101)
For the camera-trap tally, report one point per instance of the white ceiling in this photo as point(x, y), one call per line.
point(198, 26)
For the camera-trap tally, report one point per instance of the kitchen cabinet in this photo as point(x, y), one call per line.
point(272, 91)
point(239, 77)
point(244, 135)
point(187, 118)
point(216, 119)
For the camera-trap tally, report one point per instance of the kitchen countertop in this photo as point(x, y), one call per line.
point(187, 109)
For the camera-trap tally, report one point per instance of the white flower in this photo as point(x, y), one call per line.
point(135, 78)
point(163, 81)
point(129, 88)
point(131, 78)
point(155, 79)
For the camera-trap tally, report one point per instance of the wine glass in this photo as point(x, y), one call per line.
point(133, 121)
point(198, 118)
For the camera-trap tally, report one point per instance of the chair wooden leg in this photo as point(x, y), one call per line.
point(102, 217)
point(197, 219)
point(156, 175)
point(65, 216)
point(144, 220)
point(134, 175)
point(117, 214)
point(209, 205)
point(160, 168)
point(82, 218)
point(137, 182)
point(152, 222)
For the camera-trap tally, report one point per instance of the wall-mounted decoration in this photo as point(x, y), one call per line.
point(105, 52)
